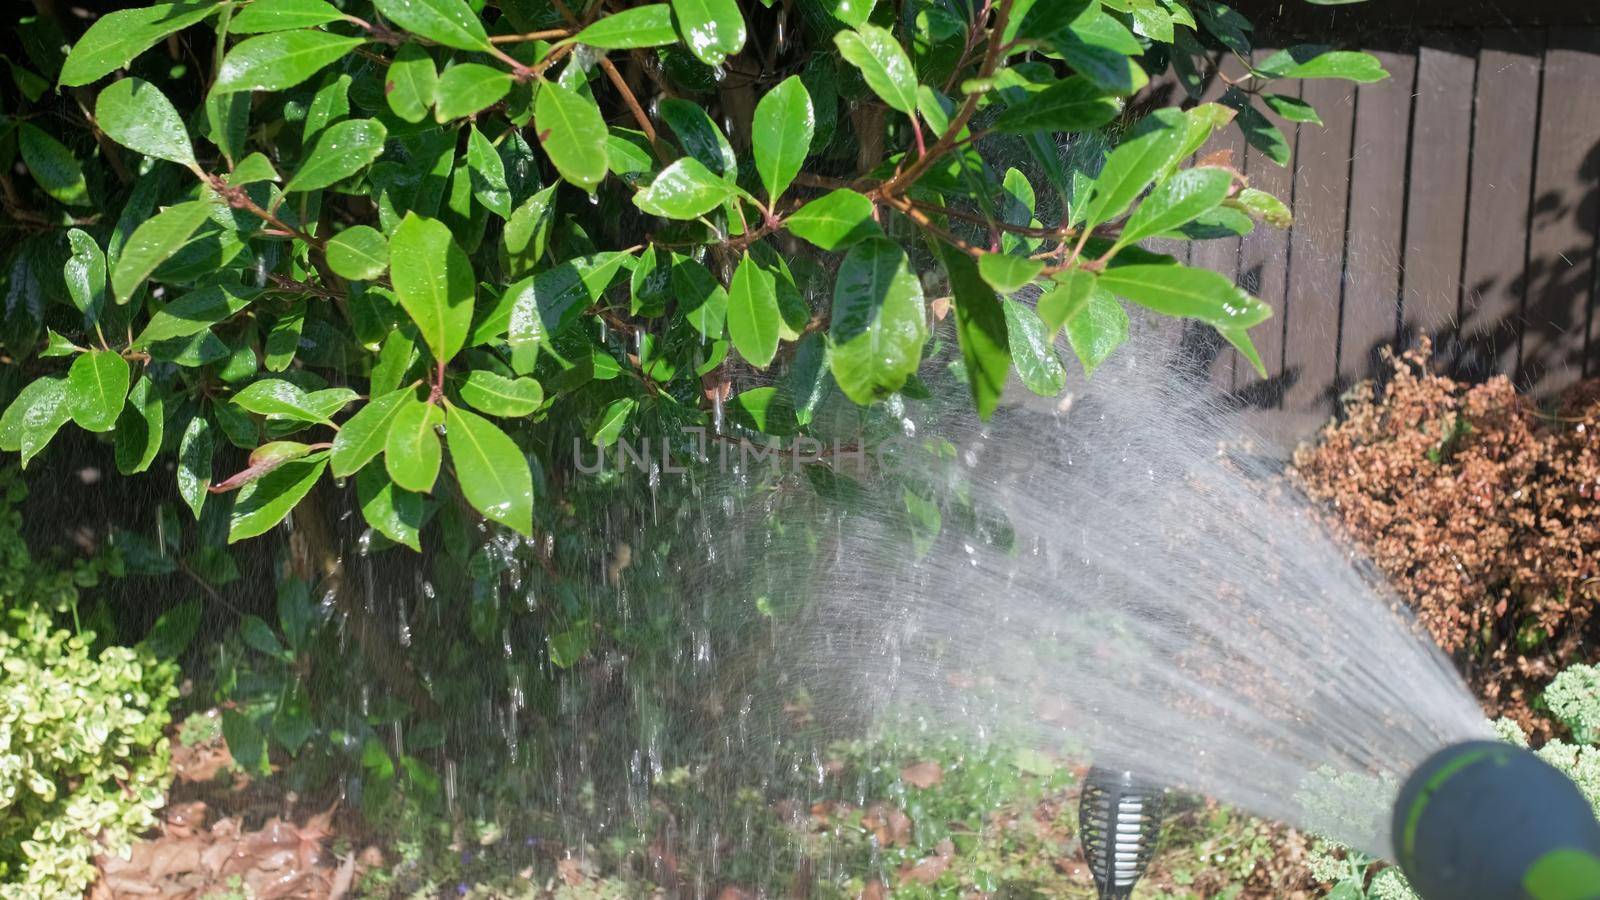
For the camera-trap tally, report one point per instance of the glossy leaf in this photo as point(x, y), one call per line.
point(641, 26)
point(412, 83)
point(194, 463)
point(433, 280)
point(141, 428)
point(153, 243)
point(359, 253)
point(1006, 273)
point(1192, 293)
point(878, 323)
point(684, 190)
point(117, 37)
point(276, 397)
point(266, 501)
point(572, 133)
point(34, 416)
point(341, 150)
point(699, 136)
point(1032, 352)
point(1177, 201)
point(1067, 296)
point(411, 449)
point(52, 165)
point(1134, 164)
point(448, 22)
point(1098, 330)
point(263, 16)
point(980, 328)
point(1310, 61)
point(85, 274)
point(498, 395)
point(713, 30)
point(466, 89)
point(781, 135)
point(835, 220)
point(488, 174)
point(194, 312)
point(493, 473)
point(135, 114)
point(364, 434)
point(393, 512)
point(97, 385)
point(883, 63)
point(1264, 206)
point(1292, 109)
point(1240, 339)
point(1072, 104)
point(1100, 48)
point(753, 317)
point(274, 62)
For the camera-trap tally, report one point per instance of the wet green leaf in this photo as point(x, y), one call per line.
point(195, 312)
point(684, 190)
point(1100, 48)
point(265, 502)
point(1309, 61)
point(883, 63)
point(97, 385)
point(488, 174)
point(699, 136)
point(412, 84)
point(1192, 293)
point(141, 428)
point(434, 283)
point(701, 300)
point(1175, 202)
point(52, 165)
point(283, 342)
point(572, 133)
point(1264, 206)
point(608, 427)
point(135, 114)
point(448, 22)
point(1292, 108)
point(364, 435)
point(263, 16)
point(642, 26)
point(713, 30)
point(393, 512)
point(781, 135)
point(194, 463)
point(1098, 329)
point(753, 318)
point(341, 150)
point(85, 274)
point(980, 329)
point(493, 473)
point(359, 253)
point(153, 242)
point(117, 37)
point(1134, 164)
point(878, 323)
point(411, 449)
point(274, 62)
point(835, 220)
point(1072, 104)
point(283, 399)
point(498, 395)
point(1006, 273)
point(1066, 297)
point(1032, 352)
point(32, 419)
point(466, 89)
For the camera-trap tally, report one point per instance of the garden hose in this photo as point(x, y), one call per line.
point(1119, 818)
point(1491, 821)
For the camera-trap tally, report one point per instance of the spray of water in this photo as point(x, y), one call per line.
point(1138, 580)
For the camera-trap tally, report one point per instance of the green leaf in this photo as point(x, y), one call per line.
point(1032, 352)
point(497, 395)
point(391, 511)
point(781, 135)
point(544, 305)
point(713, 30)
point(283, 399)
point(1292, 108)
point(265, 502)
point(1240, 339)
point(766, 410)
point(702, 302)
point(1099, 47)
point(753, 317)
point(412, 84)
point(153, 242)
point(97, 385)
point(359, 253)
point(1192, 293)
point(1066, 298)
point(275, 62)
point(853, 13)
point(883, 63)
point(1264, 206)
point(1307, 61)
point(608, 427)
point(448, 22)
point(1175, 202)
point(85, 274)
point(117, 37)
point(141, 428)
point(488, 174)
point(1258, 130)
point(364, 434)
point(527, 233)
point(493, 473)
point(434, 283)
point(835, 220)
point(1098, 330)
point(573, 134)
point(194, 463)
point(878, 325)
point(980, 328)
point(1006, 273)
point(33, 418)
point(466, 89)
point(684, 190)
point(135, 114)
point(641, 26)
point(283, 341)
point(1134, 164)
point(1072, 104)
point(411, 450)
point(263, 16)
point(52, 165)
point(341, 150)
point(253, 169)
point(194, 312)
point(699, 136)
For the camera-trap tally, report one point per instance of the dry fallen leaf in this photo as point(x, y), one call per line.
point(924, 774)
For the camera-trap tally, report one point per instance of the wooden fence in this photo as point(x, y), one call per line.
point(1459, 199)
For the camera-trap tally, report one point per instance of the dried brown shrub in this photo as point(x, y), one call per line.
point(1481, 510)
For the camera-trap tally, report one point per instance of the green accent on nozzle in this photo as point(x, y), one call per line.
point(1564, 874)
point(1408, 841)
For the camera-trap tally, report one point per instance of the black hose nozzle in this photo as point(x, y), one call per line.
point(1119, 819)
point(1490, 821)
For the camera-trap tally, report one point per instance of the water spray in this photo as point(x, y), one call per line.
point(1119, 819)
point(1490, 821)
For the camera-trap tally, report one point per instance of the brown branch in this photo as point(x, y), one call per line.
point(639, 115)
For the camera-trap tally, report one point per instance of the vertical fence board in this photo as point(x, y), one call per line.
point(1264, 268)
point(1377, 182)
point(1494, 275)
point(1436, 198)
point(1321, 192)
point(1561, 246)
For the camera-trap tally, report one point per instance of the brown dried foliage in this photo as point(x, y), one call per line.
point(1481, 510)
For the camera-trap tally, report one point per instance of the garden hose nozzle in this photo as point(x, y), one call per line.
point(1490, 821)
point(1119, 818)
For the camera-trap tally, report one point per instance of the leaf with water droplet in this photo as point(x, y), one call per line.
point(52, 165)
point(153, 243)
point(781, 135)
point(713, 30)
point(276, 62)
point(141, 428)
point(753, 315)
point(85, 274)
point(883, 64)
point(32, 419)
point(392, 511)
point(134, 113)
point(364, 434)
point(1072, 104)
point(684, 190)
point(97, 385)
point(498, 395)
point(412, 83)
point(1098, 330)
point(114, 39)
point(572, 133)
point(265, 502)
point(341, 150)
point(194, 463)
point(878, 323)
point(448, 22)
point(1032, 351)
point(642, 26)
point(1008, 274)
point(466, 89)
point(411, 449)
point(488, 174)
point(263, 16)
point(359, 253)
point(492, 471)
point(434, 283)
point(1134, 164)
point(1187, 292)
point(980, 329)
point(835, 220)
